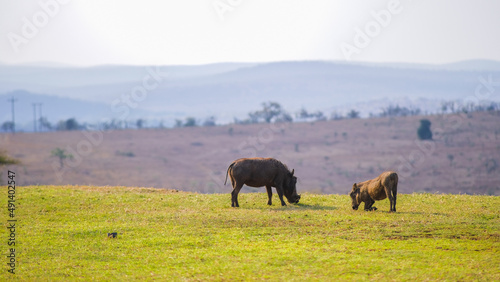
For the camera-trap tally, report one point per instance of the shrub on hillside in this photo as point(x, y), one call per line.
point(424, 131)
point(6, 160)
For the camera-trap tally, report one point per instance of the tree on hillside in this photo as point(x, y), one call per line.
point(271, 111)
point(353, 114)
point(140, 123)
point(61, 155)
point(284, 117)
point(336, 116)
point(304, 115)
point(210, 121)
point(424, 131)
point(8, 126)
point(178, 123)
point(69, 124)
point(44, 124)
point(114, 124)
point(397, 111)
point(190, 122)
point(161, 125)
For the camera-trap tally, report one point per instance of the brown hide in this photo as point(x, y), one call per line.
point(379, 188)
point(259, 172)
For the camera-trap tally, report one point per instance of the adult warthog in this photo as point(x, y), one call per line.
point(384, 186)
point(258, 172)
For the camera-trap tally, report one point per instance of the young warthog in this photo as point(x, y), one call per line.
point(258, 172)
point(384, 186)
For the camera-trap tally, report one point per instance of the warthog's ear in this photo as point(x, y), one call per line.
point(355, 188)
point(293, 170)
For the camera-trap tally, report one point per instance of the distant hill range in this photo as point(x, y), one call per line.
point(231, 90)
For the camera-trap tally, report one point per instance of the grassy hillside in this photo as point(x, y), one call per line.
point(170, 235)
point(328, 157)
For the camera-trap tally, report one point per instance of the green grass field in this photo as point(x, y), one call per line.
point(62, 234)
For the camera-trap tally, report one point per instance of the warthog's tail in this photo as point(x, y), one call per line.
point(227, 172)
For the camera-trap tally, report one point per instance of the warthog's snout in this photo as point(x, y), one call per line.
point(294, 200)
point(297, 199)
point(355, 207)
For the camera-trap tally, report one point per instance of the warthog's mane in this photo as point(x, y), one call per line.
point(280, 164)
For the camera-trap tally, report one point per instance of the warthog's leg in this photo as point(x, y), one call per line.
point(234, 195)
point(269, 195)
point(232, 198)
point(395, 196)
point(392, 198)
point(369, 205)
point(279, 189)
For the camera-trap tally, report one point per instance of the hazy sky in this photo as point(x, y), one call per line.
point(91, 32)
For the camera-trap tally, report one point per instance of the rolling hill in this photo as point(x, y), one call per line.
point(231, 90)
